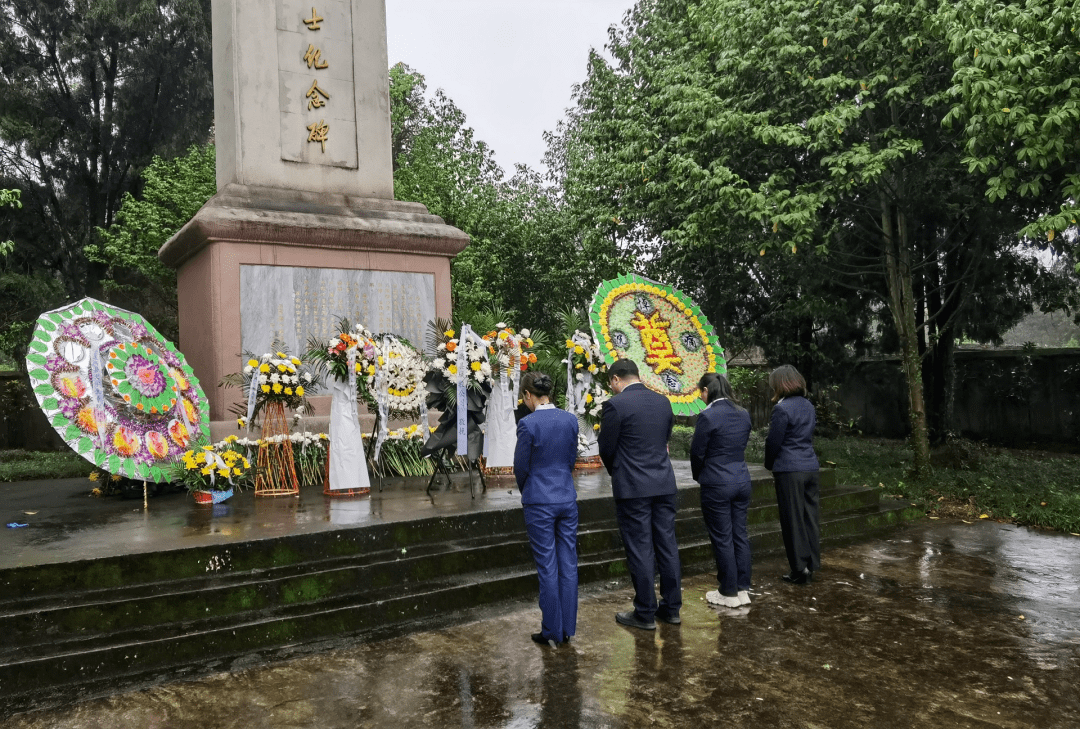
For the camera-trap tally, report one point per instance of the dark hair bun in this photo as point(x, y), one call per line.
point(542, 385)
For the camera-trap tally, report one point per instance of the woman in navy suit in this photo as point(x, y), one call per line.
point(789, 454)
point(547, 442)
point(718, 463)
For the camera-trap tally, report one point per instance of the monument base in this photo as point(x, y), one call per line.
point(238, 257)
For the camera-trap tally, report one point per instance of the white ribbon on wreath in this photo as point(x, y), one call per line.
point(463, 368)
point(382, 393)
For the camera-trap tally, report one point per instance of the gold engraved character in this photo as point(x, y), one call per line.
point(311, 58)
point(313, 94)
point(312, 23)
point(319, 132)
point(659, 354)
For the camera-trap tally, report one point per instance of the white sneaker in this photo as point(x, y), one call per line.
point(714, 597)
point(744, 597)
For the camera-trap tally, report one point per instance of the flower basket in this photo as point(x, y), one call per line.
point(211, 497)
point(588, 463)
point(276, 472)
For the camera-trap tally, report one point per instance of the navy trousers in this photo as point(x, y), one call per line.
point(724, 508)
point(797, 496)
point(552, 530)
point(647, 526)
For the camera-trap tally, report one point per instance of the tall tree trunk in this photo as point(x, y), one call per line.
point(902, 304)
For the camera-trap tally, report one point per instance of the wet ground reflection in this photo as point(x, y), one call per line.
point(922, 629)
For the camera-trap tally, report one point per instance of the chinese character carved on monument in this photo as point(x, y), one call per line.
point(320, 131)
point(659, 354)
point(313, 94)
point(312, 23)
point(311, 58)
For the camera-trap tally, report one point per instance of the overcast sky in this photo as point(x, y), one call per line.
point(508, 64)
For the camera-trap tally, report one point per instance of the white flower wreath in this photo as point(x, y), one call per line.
point(405, 369)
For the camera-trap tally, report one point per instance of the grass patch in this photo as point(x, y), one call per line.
point(21, 465)
point(969, 479)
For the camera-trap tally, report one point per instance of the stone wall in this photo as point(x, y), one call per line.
point(1006, 396)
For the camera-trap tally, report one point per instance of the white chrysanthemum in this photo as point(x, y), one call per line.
point(263, 379)
point(274, 378)
point(501, 325)
point(485, 368)
point(579, 377)
point(525, 333)
point(248, 370)
point(335, 342)
point(442, 346)
point(451, 356)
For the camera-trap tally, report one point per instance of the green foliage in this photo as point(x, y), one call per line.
point(173, 191)
point(525, 252)
point(1031, 488)
point(89, 93)
point(22, 298)
point(9, 198)
point(1017, 101)
point(20, 465)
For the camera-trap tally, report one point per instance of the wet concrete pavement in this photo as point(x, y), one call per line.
point(65, 523)
point(944, 624)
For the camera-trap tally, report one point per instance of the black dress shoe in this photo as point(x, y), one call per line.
point(631, 619)
point(539, 638)
point(799, 578)
point(669, 618)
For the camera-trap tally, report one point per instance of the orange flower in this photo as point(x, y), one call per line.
point(125, 441)
point(156, 444)
point(451, 346)
point(86, 421)
point(524, 366)
point(532, 358)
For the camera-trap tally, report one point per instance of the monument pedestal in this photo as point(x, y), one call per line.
point(260, 263)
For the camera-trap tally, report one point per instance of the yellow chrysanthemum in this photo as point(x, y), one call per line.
point(596, 426)
point(253, 363)
point(281, 355)
point(452, 369)
point(503, 335)
point(579, 350)
point(206, 471)
point(281, 368)
point(449, 333)
point(300, 391)
point(264, 367)
point(588, 398)
point(475, 366)
point(224, 472)
point(288, 391)
point(295, 361)
point(277, 388)
point(371, 369)
point(236, 471)
point(266, 388)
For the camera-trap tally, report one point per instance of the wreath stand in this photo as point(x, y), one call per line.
point(440, 468)
point(276, 471)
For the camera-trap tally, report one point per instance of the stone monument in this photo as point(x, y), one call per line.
point(304, 228)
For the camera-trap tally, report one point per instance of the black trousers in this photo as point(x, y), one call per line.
point(797, 496)
point(647, 525)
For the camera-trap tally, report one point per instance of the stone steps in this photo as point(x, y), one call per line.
point(130, 624)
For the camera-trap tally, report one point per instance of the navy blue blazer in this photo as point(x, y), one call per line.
point(718, 450)
point(790, 443)
point(547, 443)
point(635, 426)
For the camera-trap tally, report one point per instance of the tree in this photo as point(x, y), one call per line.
point(788, 130)
point(9, 198)
point(524, 255)
point(173, 191)
point(1017, 101)
point(90, 92)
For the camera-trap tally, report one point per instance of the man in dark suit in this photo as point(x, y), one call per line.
point(635, 426)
